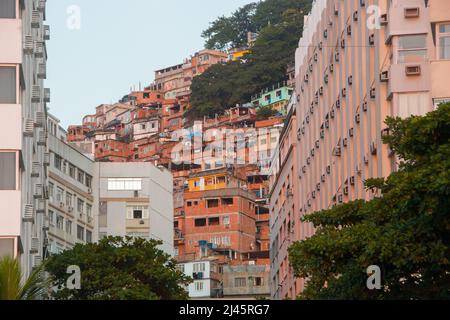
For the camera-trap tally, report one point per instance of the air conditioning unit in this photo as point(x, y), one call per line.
point(365, 106)
point(36, 94)
point(384, 19)
point(355, 15)
point(352, 180)
point(34, 246)
point(46, 95)
point(313, 194)
point(306, 78)
point(336, 56)
point(40, 119)
point(331, 67)
point(385, 132)
point(324, 178)
point(413, 70)
point(39, 49)
point(42, 71)
point(345, 142)
point(317, 144)
point(325, 33)
point(320, 45)
point(372, 93)
point(28, 215)
point(358, 118)
point(338, 104)
point(337, 151)
point(318, 186)
point(373, 148)
point(316, 57)
point(322, 134)
point(35, 19)
point(308, 161)
point(28, 45)
point(351, 132)
point(46, 32)
point(384, 76)
point(346, 191)
point(35, 169)
point(349, 31)
point(344, 92)
point(412, 12)
point(321, 91)
point(340, 198)
point(372, 39)
point(350, 80)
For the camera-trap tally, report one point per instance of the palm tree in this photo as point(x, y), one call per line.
point(11, 285)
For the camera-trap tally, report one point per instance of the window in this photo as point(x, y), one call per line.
point(51, 218)
point(124, 184)
point(60, 222)
point(80, 233)
point(80, 206)
point(7, 82)
point(412, 49)
point(88, 210)
point(444, 41)
point(226, 220)
point(88, 181)
point(200, 222)
point(8, 170)
point(279, 94)
point(7, 9)
point(226, 241)
point(69, 226)
point(212, 203)
point(199, 286)
point(189, 204)
point(240, 282)
point(137, 212)
point(227, 201)
point(72, 170)
point(88, 236)
point(80, 176)
point(199, 267)
point(6, 247)
point(59, 194)
point(68, 199)
point(58, 162)
point(259, 282)
point(51, 187)
point(215, 221)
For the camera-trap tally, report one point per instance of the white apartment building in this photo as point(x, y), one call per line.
point(70, 213)
point(206, 279)
point(134, 199)
point(23, 133)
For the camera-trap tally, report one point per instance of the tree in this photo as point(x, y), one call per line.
point(405, 229)
point(119, 269)
point(12, 285)
point(225, 85)
point(231, 32)
point(266, 112)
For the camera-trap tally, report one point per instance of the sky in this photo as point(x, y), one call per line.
point(100, 48)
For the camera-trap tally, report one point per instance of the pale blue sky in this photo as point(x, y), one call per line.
point(120, 43)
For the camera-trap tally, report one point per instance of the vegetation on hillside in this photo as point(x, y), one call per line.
point(279, 24)
point(405, 231)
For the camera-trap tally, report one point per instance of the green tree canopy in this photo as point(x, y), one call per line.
point(119, 269)
point(224, 85)
point(405, 230)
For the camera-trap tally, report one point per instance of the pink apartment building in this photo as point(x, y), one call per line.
point(24, 156)
point(358, 61)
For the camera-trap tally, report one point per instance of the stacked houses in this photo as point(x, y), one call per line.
point(220, 168)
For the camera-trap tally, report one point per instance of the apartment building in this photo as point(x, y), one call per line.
point(23, 143)
point(219, 215)
point(246, 281)
point(285, 224)
point(357, 63)
point(70, 214)
point(134, 199)
point(207, 279)
point(275, 97)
